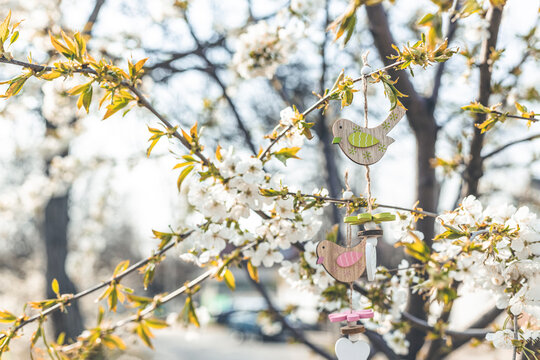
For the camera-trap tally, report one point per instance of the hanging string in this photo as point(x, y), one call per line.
point(366, 70)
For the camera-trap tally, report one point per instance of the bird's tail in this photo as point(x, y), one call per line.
point(393, 118)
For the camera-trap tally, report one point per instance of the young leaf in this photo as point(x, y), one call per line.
point(7, 317)
point(229, 279)
point(113, 342)
point(4, 28)
point(55, 287)
point(145, 334)
point(287, 153)
point(253, 271)
point(60, 47)
point(121, 267)
point(156, 323)
point(183, 175)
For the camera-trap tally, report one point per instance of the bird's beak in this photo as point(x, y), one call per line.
point(320, 260)
point(336, 140)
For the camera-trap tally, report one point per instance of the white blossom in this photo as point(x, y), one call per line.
point(501, 339)
point(265, 255)
point(261, 49)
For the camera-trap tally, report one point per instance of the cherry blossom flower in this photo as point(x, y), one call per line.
point(264, 255)
point(501, 339)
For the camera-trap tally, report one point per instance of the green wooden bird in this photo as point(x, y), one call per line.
point(362, 145)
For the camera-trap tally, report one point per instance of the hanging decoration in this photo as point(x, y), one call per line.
point(346, 264)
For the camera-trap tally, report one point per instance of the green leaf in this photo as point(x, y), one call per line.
point(60, 47)
point(7, 317)
point(113, 342)
point(272, 192)
point(286, 153)
point(417, 249)
point(229, 279)
point(55, 287)
point(14, 37)
point(15, 85)
point(4, 28)
point(121, 267)
point(115, 106)
point(425, 19)
point(253, 271)
point(183, 175)
point(36, 335)
point(145, 334)
point(156, 323)
point(521, 108)
point(390, 94)
point(476, 107)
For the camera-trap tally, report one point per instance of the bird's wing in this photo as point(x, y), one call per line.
point(362, 140)
point(349, 258)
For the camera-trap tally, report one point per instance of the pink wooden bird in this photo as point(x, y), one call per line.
point(343, 264)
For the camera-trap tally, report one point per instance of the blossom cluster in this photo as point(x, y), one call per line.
point(226, 211)
point(262, 48)
point(497, 249)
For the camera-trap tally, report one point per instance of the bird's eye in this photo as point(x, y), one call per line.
point(323, 247)
point(341, 127)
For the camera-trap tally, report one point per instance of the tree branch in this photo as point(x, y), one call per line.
point(345, 201)
point(150, 308)
point(470, 333)
point(97, 287)
point(482, 322)
point(214, 75)
point(512, 143)
point(450, 32)
point(474, 170)
point(89, 26)
point(166, 64)
point(378, 343)
point(423, 124)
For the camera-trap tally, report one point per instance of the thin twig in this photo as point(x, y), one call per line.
point(318, 103)
point(424, 325)
point(347, 201)
point(143, 101)
point(93, 17)
point(150, 308)
point(97, 287)
point(515, 116)
point(498, 150)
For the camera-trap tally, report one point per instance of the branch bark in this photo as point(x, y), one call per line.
point(512, 143)
point(213, 73)
point(422, 122)
point(331, 177)
point(474, 169)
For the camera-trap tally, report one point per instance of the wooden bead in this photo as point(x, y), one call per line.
point(377, 232)
point(352, 329)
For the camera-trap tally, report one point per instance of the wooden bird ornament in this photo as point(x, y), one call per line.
point(343, 264)
point(362, 145)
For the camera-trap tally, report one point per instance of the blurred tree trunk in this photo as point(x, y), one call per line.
point(424, 127)
point(55, 236)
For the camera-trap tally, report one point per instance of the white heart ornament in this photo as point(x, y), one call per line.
point(347, 350)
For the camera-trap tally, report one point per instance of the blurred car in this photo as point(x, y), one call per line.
point(245, 325)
